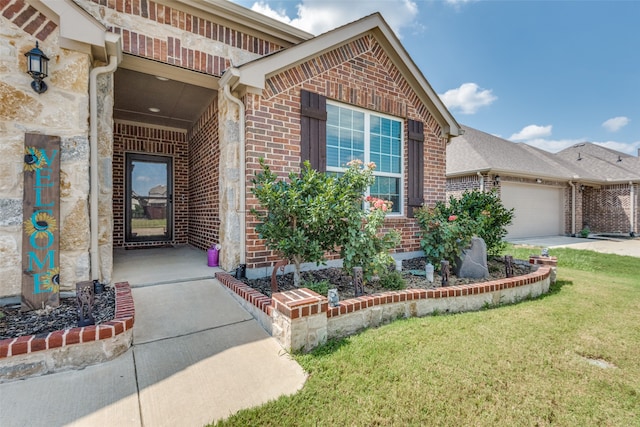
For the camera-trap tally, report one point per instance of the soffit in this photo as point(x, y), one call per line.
point(180, 103)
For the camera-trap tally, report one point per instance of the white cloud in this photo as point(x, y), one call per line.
point(531, 132)
point(468, 98)
point(319, 16)
point(615, 124)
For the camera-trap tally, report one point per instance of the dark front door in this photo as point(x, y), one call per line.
point(149, 198)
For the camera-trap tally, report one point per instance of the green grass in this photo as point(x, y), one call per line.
point(518, 365)
point(148, 223)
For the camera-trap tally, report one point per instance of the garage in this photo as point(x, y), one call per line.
point(538, 209)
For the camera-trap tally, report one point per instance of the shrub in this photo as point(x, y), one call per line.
point(313, 213)
point(447, 230)
point(487, 210)
point(392, 280)
point(444, 235)
point(321, 287)
point(365, 246)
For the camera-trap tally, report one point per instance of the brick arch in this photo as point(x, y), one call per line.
point(27, 18)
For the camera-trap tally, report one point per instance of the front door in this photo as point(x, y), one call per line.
point(149, 198)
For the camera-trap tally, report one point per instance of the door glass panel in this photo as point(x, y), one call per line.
point(149, 205)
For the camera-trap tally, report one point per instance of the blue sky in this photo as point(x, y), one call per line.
point(548, 73)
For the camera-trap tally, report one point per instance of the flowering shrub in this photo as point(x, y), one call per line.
point(365, 245)
point(447, 230)
point(443, 235)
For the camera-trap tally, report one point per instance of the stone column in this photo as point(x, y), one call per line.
point(229, 137)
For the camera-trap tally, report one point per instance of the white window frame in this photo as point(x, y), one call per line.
point(367, 151)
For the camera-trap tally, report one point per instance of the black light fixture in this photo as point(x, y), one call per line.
point(38, 68)
point(496, 180)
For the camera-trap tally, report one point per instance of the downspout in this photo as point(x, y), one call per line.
point(93, 161)
point(573, 208)
point(481, 182)
point(633, 213)
point(243, 189)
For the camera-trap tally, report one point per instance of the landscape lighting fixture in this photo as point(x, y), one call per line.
point(37, 68)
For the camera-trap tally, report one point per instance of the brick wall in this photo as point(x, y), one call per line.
point(608, 209)
point(131, 138)
point(27, 18)
point(204, 157)
point(358, 74)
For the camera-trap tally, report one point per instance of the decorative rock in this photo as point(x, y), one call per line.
point(472, 263)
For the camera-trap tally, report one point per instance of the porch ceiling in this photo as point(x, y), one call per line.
point(179, 103)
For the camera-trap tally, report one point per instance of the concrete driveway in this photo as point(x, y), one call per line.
point(629, 247)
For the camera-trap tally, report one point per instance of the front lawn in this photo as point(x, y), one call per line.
point(569, 358)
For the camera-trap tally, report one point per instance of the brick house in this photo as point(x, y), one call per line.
point(187, 96)
point(585, 185)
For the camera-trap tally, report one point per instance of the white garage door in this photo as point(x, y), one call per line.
point(538, 210)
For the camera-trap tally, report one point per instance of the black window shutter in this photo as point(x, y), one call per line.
point(415, 165)
point(313, 129)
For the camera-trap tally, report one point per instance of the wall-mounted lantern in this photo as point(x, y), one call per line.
point(496, 180)
point(38, 68)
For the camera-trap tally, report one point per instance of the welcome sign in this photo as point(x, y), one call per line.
point(41, 222)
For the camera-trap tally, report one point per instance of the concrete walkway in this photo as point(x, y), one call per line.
point(629, 247)
point(197, 356)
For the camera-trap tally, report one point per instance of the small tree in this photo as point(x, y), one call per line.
point(309, 214)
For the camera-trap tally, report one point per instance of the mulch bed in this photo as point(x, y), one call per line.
point(343, 282)
point(15, 324)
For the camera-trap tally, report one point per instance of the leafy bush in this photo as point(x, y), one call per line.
point(392, 280)
point(489, 213)
point(313, 213)
point(447, 230)
point(321, 287)
point(444, 235)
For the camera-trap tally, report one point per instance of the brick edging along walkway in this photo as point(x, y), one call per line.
point(350, 305)
point(122, 321)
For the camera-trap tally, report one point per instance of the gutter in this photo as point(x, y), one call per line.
point(573, 208)
point(481, 181)
point(633, 205)
point(93, 161)
point(226, 83)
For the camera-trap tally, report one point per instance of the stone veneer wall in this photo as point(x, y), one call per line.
point(204, 167)
point(136, 138)
point(62, 111)
point(608, 209)
point(359, 74)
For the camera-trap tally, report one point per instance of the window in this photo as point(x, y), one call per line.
point(359, 134)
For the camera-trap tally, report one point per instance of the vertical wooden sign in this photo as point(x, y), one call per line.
point(41, 222)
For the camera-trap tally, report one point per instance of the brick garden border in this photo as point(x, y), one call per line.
point(73, 348)
point(301, 319)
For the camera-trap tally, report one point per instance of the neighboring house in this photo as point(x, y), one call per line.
point(202, 89)
point(553, 194)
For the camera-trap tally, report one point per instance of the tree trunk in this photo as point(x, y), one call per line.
point(296, 271)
